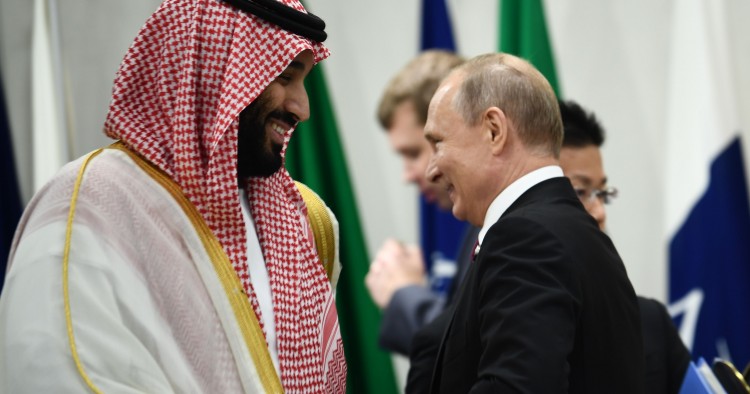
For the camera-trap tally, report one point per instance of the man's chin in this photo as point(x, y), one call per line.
point(261, 166)
point(458, 213)
point(441, 199)
point(271, 167)
point(444, 204)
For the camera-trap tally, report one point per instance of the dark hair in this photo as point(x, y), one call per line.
point(581, 128)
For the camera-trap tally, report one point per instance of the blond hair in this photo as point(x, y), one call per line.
point(416, 82)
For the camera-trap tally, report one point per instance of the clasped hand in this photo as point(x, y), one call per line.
point(395, 266)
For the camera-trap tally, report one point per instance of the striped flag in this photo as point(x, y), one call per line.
point(706, 199)
point(440, 233)
point(10, 197)
point(315, 157)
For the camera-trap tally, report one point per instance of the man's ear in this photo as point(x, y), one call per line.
point(495, 124)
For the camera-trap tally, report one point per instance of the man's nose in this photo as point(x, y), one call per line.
point(599, 213)
point(297, 102)
point(433, 172)
point(411, 175)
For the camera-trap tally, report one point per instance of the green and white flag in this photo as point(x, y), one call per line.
point(523, 32)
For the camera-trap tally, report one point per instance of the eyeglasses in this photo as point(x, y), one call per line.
point(587, 196)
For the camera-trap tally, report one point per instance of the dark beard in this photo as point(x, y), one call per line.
point(257, 155)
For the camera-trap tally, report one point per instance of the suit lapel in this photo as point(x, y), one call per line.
point(438, 367)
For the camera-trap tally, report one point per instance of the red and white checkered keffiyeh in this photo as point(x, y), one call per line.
point(194, 66)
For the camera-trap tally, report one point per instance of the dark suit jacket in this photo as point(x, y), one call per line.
point(424, 352)
point(547, 307)
point(667, 358)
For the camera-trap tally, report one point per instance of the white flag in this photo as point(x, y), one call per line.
point(49, 132)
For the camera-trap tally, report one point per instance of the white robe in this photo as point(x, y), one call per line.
point(150, 311)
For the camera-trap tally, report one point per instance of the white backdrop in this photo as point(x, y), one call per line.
point(612, 57)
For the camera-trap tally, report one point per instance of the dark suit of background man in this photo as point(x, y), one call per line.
point(547, 306)
point(667, 358)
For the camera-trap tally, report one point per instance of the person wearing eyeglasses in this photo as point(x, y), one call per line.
point(667, 357)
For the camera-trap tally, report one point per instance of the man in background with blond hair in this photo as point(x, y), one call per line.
point(397, 281)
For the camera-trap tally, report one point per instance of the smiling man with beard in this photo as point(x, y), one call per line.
point(180, 259)
point(258, 152)
point(262, 130)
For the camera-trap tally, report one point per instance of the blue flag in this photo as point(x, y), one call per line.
point(10, 197)
point(441, 233)
point(707, 206)
point(437, 32)
point(710, 264)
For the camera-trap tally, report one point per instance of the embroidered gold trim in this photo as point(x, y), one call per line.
point(243, 311)
point(320, 221)
point(66, 255)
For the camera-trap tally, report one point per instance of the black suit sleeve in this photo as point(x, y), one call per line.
point(528, 307)
point(424, 350)
point(678, 355)
point(667, 358)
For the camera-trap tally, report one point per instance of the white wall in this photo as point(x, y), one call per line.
point(611, 57)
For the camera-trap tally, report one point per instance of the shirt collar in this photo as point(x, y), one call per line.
point(511, 193)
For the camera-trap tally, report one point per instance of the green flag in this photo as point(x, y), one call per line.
point(523, 32)
point(315, 157)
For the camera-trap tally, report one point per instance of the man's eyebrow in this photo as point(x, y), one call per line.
point(585, 179)
point(582, 178)
point(296, 65)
